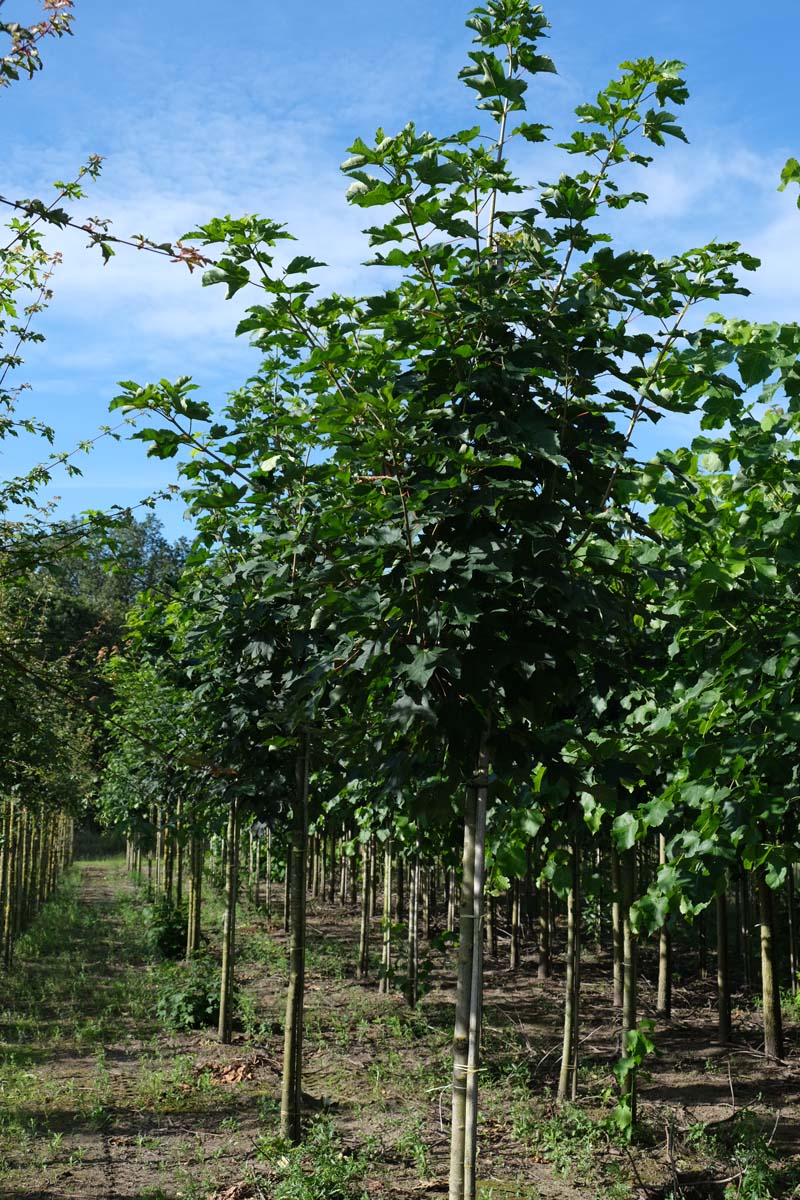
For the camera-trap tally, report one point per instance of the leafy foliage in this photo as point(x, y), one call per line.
point(188, 996)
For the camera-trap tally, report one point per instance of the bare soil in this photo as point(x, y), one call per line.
point(102, 1103)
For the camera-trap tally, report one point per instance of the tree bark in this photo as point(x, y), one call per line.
point(543, 951)
point(385, 981)
point(568, 1076)
point(616, 928)
point(412, 988)
point(516, 924)
point(792, 928)
point(773, 1025)
point(195, 896)
point(664, 996)
point(362, 970)
point(723, 975)
point(629, 1006)
point(291, 1089)
point(469, 990)
point(229, 926)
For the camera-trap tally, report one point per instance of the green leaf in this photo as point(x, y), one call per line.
point(303, 263)
point(625, 831)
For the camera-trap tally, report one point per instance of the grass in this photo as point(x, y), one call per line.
point(377, 1076)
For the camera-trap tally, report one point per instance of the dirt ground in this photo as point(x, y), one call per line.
point(101, 1101)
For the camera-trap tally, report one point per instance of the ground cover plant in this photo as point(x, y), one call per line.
point(455, 761)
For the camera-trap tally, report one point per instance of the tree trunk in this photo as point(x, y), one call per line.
point(385, 981)
point(792, 928)
point(332, 877)
point(291, 1090)
point(469, 991)
point(543, 951)
point(568, 1077)
point(427, 907)
point(362, 970)
point(773, 1027)
point(450, 884)
point(195, 896)
point(723, 976)
point(628, 880)
point(229, 926)
point(747, 924)
point(616, 928)
point(268, 876)
point(493, 927)
point(516, 924)
point(664, 997)
point(287, 891)
point(412, 990)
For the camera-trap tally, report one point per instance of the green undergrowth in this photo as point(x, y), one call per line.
point(322, 1168)
point(88, 975)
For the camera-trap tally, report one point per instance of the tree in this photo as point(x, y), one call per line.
point(431, 484)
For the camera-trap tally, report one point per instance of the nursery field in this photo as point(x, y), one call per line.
point(455, 750)
point(104, 1098)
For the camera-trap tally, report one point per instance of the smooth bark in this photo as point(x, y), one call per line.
point(229, 926)
point(291, 1089)
point(770, 993)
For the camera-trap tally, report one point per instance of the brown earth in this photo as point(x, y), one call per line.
point(101, 1103)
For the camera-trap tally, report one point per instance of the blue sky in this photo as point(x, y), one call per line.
point(201, 109)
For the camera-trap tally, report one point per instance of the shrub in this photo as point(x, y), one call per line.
point(166, 928)
point(188, 997)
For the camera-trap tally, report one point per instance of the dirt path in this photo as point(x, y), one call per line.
point(100, 1103)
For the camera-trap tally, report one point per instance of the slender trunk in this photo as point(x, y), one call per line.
point(193, 932)
point(528, 902)
point(257, 871)
point(229, 927)
point(747, 924)
point(543, 951)
point(616, 928)
point(773, 1027)
point(412, 993)
point(426, 901)
point(287, 891)
point(5, 874)
point(466, 1037)
point(516, 924)
point(385, 981)
point(723, 976)
point(291, 1090)
point(179, 852)
point(493, 926)
point(354, 880)
point(373, 891)
point(476, 1004)
point(568, 1077)
point(628, 873)
point(8, 904)
point(702, 944)
point(268, 876)
point(664, 997)
point(400, 905)
point(792, 928)
point(362, 970)
point(332, 878)
point(251, 841)
point(450, 885)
